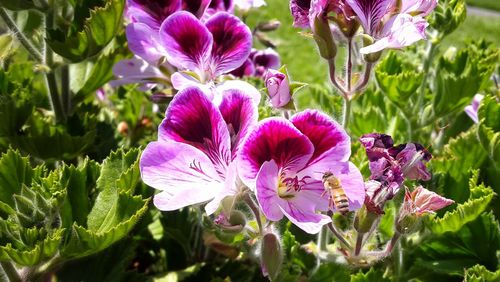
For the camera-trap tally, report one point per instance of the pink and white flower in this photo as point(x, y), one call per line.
point(194, 159)
point(284, 162)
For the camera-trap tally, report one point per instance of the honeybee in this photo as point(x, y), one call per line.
point(337, 197)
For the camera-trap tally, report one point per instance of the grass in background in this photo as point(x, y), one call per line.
point(475, 27)
point(486, 4)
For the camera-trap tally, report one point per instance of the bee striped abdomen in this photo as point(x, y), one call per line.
point(337, 196)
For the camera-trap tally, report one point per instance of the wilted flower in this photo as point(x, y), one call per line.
point(193, 160)
point(471, 110)
point(285, 160)
point(417, 203)
point(390, 165)
point(278, 88)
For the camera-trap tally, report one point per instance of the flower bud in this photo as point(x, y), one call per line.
point(268, 25)
point(371, 57)
point(123, 128)
point(324, 38)
point(271, 255)
point(365, 219)
point(234, 224)
point(278, 88)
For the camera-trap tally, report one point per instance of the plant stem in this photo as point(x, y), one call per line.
point(339, 236)
point(359, 243)
point(366, 78)
point(50, 77)
point(392, 243)
point(429, 55)
point(348, 74)
point(346, 113)
point(255, 209)
point(333, 78)
point(10, 271)
point(27, 44)
point(65, 90)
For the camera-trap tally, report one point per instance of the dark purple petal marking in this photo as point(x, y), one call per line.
point(300, 12)
point(159, 10)
point(187, 41)
point(325, 134)
point(240, 115)
point(232, 42)
point(274, 139)
point(193, 119)
point(196, 7)
point(370, 13)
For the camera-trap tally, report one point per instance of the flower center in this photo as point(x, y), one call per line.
point(289, 186)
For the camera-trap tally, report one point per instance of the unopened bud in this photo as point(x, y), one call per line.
point(324, 39)
point(123, 128)
point(268, 26)
point(371, 57)
point(234, 224)
point(160, 98)
point(364, 220)
point(264, 40)
point(407, 223)
point(271, 255)
point(146, 122)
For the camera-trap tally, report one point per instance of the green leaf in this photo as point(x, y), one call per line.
point(397, 78)
point(15, 171)
point(19, 5)
point(372, 275)
point(120, 171)
point(84, 242)
point(461, 75)
point(452, 221)
point(479, 273)
point(33, 255)
point(489, 127)
point(330, 272)
point(447, 16)
point(85, 39)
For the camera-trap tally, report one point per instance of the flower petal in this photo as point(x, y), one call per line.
point(232, 42)
point(428, 201)
point(152, 12)
point(273, 139)
point(354, 186)
point(184, 174)
point(400, 31)
point(370, 13)
point(331, 142)
point(267, 191)
point(181, 81)
point(136, 70)
point(238, 84)
point(143, 41)
point(240, 114)
point(300, 211)
point(187, 41)
point(300, 12)
point(193, 119)
point(196, 7)
point(230, 189)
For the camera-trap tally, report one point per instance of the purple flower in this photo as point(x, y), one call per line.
point(136, 70)
point(278, 88)
point(258, 62)
point(264, 60)
point(285, 160)
point(389, 166)
point(471, 110)
point(300, 12)
point(391, 28)
point(210, 49)
point(193, 160)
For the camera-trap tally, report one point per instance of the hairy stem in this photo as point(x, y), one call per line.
point(429, 56)
point(333, 78)
point(346, 113)
point(348, 74)
point(339, 236)
point(359, 243)
point(255, 209)
point(366, 78)
point(390, 246)
point(27, 44)
point(10, 271)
